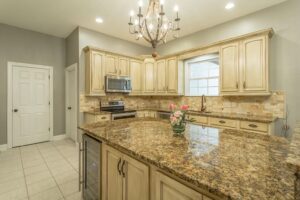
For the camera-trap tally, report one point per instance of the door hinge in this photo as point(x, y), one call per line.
point(49, 129)
point(49, 103)
point(49, 76)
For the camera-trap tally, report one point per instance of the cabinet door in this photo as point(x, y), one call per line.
point(136, 74)
point(111, 64)
point(161, 76)
point(94, 73)
point(254, 63)
point(169, 189)
point(136, 180)
point(229, 67)
point(172, 75)
point(112, 180)
point(149, 77)
point(123, 68)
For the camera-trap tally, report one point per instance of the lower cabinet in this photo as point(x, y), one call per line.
point(169, 189)
point(141, 114)
point(123, 178)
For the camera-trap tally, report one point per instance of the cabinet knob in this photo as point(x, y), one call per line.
point(222, 122)
point(253, 125)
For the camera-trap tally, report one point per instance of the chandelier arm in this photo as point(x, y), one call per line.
point(164, 35)
point(158, 28)
point(131, 31)
point(148, 33)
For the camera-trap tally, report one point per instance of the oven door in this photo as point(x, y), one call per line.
point(117, 84)
point(123, 115)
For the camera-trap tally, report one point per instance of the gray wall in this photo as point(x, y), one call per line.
point(19, 45)
point(285, 46)
point(72, 46)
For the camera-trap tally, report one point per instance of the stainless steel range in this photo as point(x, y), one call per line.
point(117, 109)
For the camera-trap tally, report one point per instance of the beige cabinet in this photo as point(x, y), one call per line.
point(123, 177)
point(123, 66)
point(254, 64)
point(229, 71)
point(169, 189)
point(244, 67)
point(111, 64)
point(136, 74)
point(149, 76)
point(161, 82)
point(94, 73)
point(172, 75)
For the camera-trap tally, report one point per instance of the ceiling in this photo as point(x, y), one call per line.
point(61, 17)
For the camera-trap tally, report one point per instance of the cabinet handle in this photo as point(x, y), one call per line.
point(222, 122)
point(244, 84)
point(119, 162)
point(122, 169)
point(237, 85)
point(103, 117)
point(167, 88)
point(252, 125)
point(81, 149)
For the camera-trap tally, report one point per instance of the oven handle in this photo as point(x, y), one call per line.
point(81, 151)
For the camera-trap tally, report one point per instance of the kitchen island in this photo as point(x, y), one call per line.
point(222, 164)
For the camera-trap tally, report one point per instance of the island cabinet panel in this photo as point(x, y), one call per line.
point(111, 64)
point(161, 77)
point(136, 180)
point(112, 186)
point(169, 189)
point(136, 74)
point(254, 64)
point(229, 70)
point(94, 73)
point(124, 178)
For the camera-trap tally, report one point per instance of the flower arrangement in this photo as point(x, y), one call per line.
point(178, 118)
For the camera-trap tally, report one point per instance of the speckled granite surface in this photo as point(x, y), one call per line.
point(294, 154)
point(228, 163)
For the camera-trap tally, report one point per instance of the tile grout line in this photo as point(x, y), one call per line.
point(57, 185)
point(24, 173)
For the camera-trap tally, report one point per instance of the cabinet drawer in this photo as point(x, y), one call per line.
point(102, 118)
point(254, 126)
point(223, 122)
point(198, 119)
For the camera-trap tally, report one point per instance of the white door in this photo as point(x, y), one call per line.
point(71, 102)
point(31, 105)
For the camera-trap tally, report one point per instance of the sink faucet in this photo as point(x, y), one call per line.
point(203, 108)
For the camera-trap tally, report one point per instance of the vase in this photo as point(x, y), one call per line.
point(178, 130)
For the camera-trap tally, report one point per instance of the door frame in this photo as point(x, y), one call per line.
point(10, 97)
point(68, 69)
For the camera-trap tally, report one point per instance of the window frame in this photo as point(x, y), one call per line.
point(200, 58)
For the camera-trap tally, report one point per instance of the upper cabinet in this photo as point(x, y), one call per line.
point(149, 76)
point(136, 74)
point(111, 64)
point(244, 66)
point(161, 83)
point(94, 73)
point(123, 67)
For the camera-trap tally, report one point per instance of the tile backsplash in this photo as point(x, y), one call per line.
point(273, 105)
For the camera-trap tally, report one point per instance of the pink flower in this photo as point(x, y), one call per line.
point(184, 107)
point(172, 106)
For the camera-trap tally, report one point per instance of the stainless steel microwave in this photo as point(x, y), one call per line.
point(117, 84)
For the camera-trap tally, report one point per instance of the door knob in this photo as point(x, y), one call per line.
point(69, 108)
point(16, 110)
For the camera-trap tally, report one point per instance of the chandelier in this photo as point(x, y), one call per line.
point(154, 26)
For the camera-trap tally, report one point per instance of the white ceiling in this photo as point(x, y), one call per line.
point(60, 17)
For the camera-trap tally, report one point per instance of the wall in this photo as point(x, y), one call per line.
point(19, 45)
point(72, 46)
point(284, 52)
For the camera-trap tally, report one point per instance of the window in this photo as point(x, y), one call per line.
point(202, 76)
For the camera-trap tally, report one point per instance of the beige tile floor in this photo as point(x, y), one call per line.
point(45, 171)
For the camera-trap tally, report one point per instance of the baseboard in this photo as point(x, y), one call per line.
point(3, 147)
point(59, 137)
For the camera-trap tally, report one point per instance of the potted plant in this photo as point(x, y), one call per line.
point(178, 119)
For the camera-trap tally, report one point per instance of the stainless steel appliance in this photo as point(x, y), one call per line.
point(117, 109)
point(117, 84)
point(163, 114)
point(90, 168)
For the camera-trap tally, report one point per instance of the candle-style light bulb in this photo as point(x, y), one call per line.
point(176, 8)
point(140, 3)
point(131, 13)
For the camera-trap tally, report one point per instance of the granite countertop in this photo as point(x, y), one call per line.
point(293, 158)
point(227, 163)
point(254, 118)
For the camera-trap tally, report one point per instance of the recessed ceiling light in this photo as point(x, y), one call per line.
point(99, 20)
point(230, 5)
